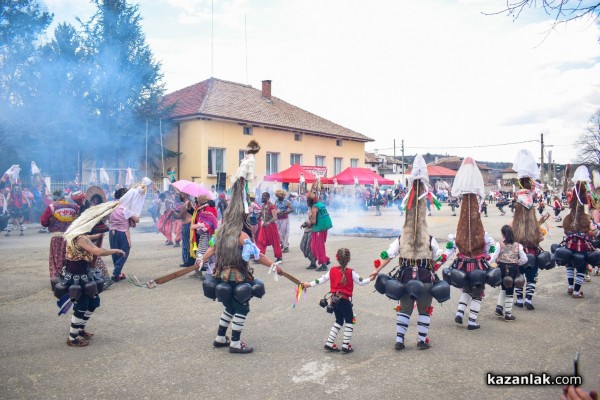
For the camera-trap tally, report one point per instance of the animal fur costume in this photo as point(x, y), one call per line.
point(232, 265)
point(416, 250)
point(525, 223)
point(472, 244)
point(578, 230)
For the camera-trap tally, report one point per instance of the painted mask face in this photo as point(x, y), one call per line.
point(265, 198)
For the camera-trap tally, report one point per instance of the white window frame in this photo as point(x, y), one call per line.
point(295, 155)
point(354, 163)
point(212, 160)
point(241, 155)
point(270, 168)
point(247, 129)
point(337, 160)
point(320, 161)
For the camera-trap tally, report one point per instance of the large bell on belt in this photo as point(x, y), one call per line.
point(208, 286)
point(440, 291)
point(519, 281)
point(258, 288)
point(530, 261)
point(593, 258)
point(54, 281)
point(223, 292)
point(459, 278)
point(415, 289)
point(447, 275)
point(75, 290)
point(477, 278)
point(394, 289)
point(578, 260)
point(90, 289)
point(507, 281)
point(494, 277)
point(242, 292)
point(553, 247)
point(543, 260)
point(562, 256)
point(380, 282)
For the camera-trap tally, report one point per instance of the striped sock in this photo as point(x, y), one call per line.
point(474, 311)
point(463, 302)
point(223, 325)
point(508, 304)
point(86, 317)
point(401, 326)
point(578, 282)
point(423, 326)
point(236, 329)
point(77, 324)
point(529, 291)
point(519, 293)
point(348, 331)
point(570, 276)
point(333, 333)
point(501, 298)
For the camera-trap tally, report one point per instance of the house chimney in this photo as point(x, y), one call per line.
point(266, 89)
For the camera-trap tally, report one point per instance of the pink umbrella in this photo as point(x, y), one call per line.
point(193, 188)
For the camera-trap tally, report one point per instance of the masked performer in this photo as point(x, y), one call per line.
point(284, 209)
point(473, 246)
point(342, 280)
point(57, 217)
point(18, 206)
point(203, 227)
point(412, 280)
point(232, 248)
point(527, 228)
point(579, 234)
point(83, 286)
point(320, 222)
point(268, 235)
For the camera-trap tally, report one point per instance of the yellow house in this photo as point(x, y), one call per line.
point(215, 120)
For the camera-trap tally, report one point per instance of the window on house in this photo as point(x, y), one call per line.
point(320, 161)
point(298, 137)
point(338, 142)
point(247, 130)
point(354, 162)
point(337, 165)
point(216, 161)
point(241, 156)
point(272, 163)
point(295, 159)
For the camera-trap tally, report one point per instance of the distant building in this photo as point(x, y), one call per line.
point(215, 120)
point(454, 164)
point(386, 166)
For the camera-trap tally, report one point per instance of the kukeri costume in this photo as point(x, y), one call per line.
point(471, 270)
point(510, 257)
point(413, 280)
point(232, 282)
point(527, 228)
point(576, 249)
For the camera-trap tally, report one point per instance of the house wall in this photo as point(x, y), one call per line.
point(197, 136)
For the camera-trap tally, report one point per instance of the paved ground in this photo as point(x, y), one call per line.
point(158, 343)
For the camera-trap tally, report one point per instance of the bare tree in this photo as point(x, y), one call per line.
point(588, 143)
point(562, 11)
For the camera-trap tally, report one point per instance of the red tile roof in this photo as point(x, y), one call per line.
point(216, 98)
point(437, 170)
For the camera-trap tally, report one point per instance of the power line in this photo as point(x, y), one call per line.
point(463, 147)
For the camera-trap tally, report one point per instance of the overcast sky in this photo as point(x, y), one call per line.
point(438, 74)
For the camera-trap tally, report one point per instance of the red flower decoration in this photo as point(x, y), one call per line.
point(429, 310)
point(377, 263)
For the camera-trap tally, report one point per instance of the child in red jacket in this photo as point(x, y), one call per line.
point(342, 281)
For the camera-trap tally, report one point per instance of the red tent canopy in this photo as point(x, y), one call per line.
point(292, 175)
point(365, 176)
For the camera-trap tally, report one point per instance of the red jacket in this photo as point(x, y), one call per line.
point(335, 280)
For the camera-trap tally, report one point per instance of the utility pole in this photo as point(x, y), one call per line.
point(542, 159)
point(402, 158)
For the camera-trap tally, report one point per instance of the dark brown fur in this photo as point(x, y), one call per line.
point(577, 220)
point(470, 234)
point(525, 223)
point(414, 242)
point(228, 251)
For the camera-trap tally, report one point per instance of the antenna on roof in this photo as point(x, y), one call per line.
point(212, 37)
point(246, 40)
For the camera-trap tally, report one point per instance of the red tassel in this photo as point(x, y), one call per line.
point(410, 199)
